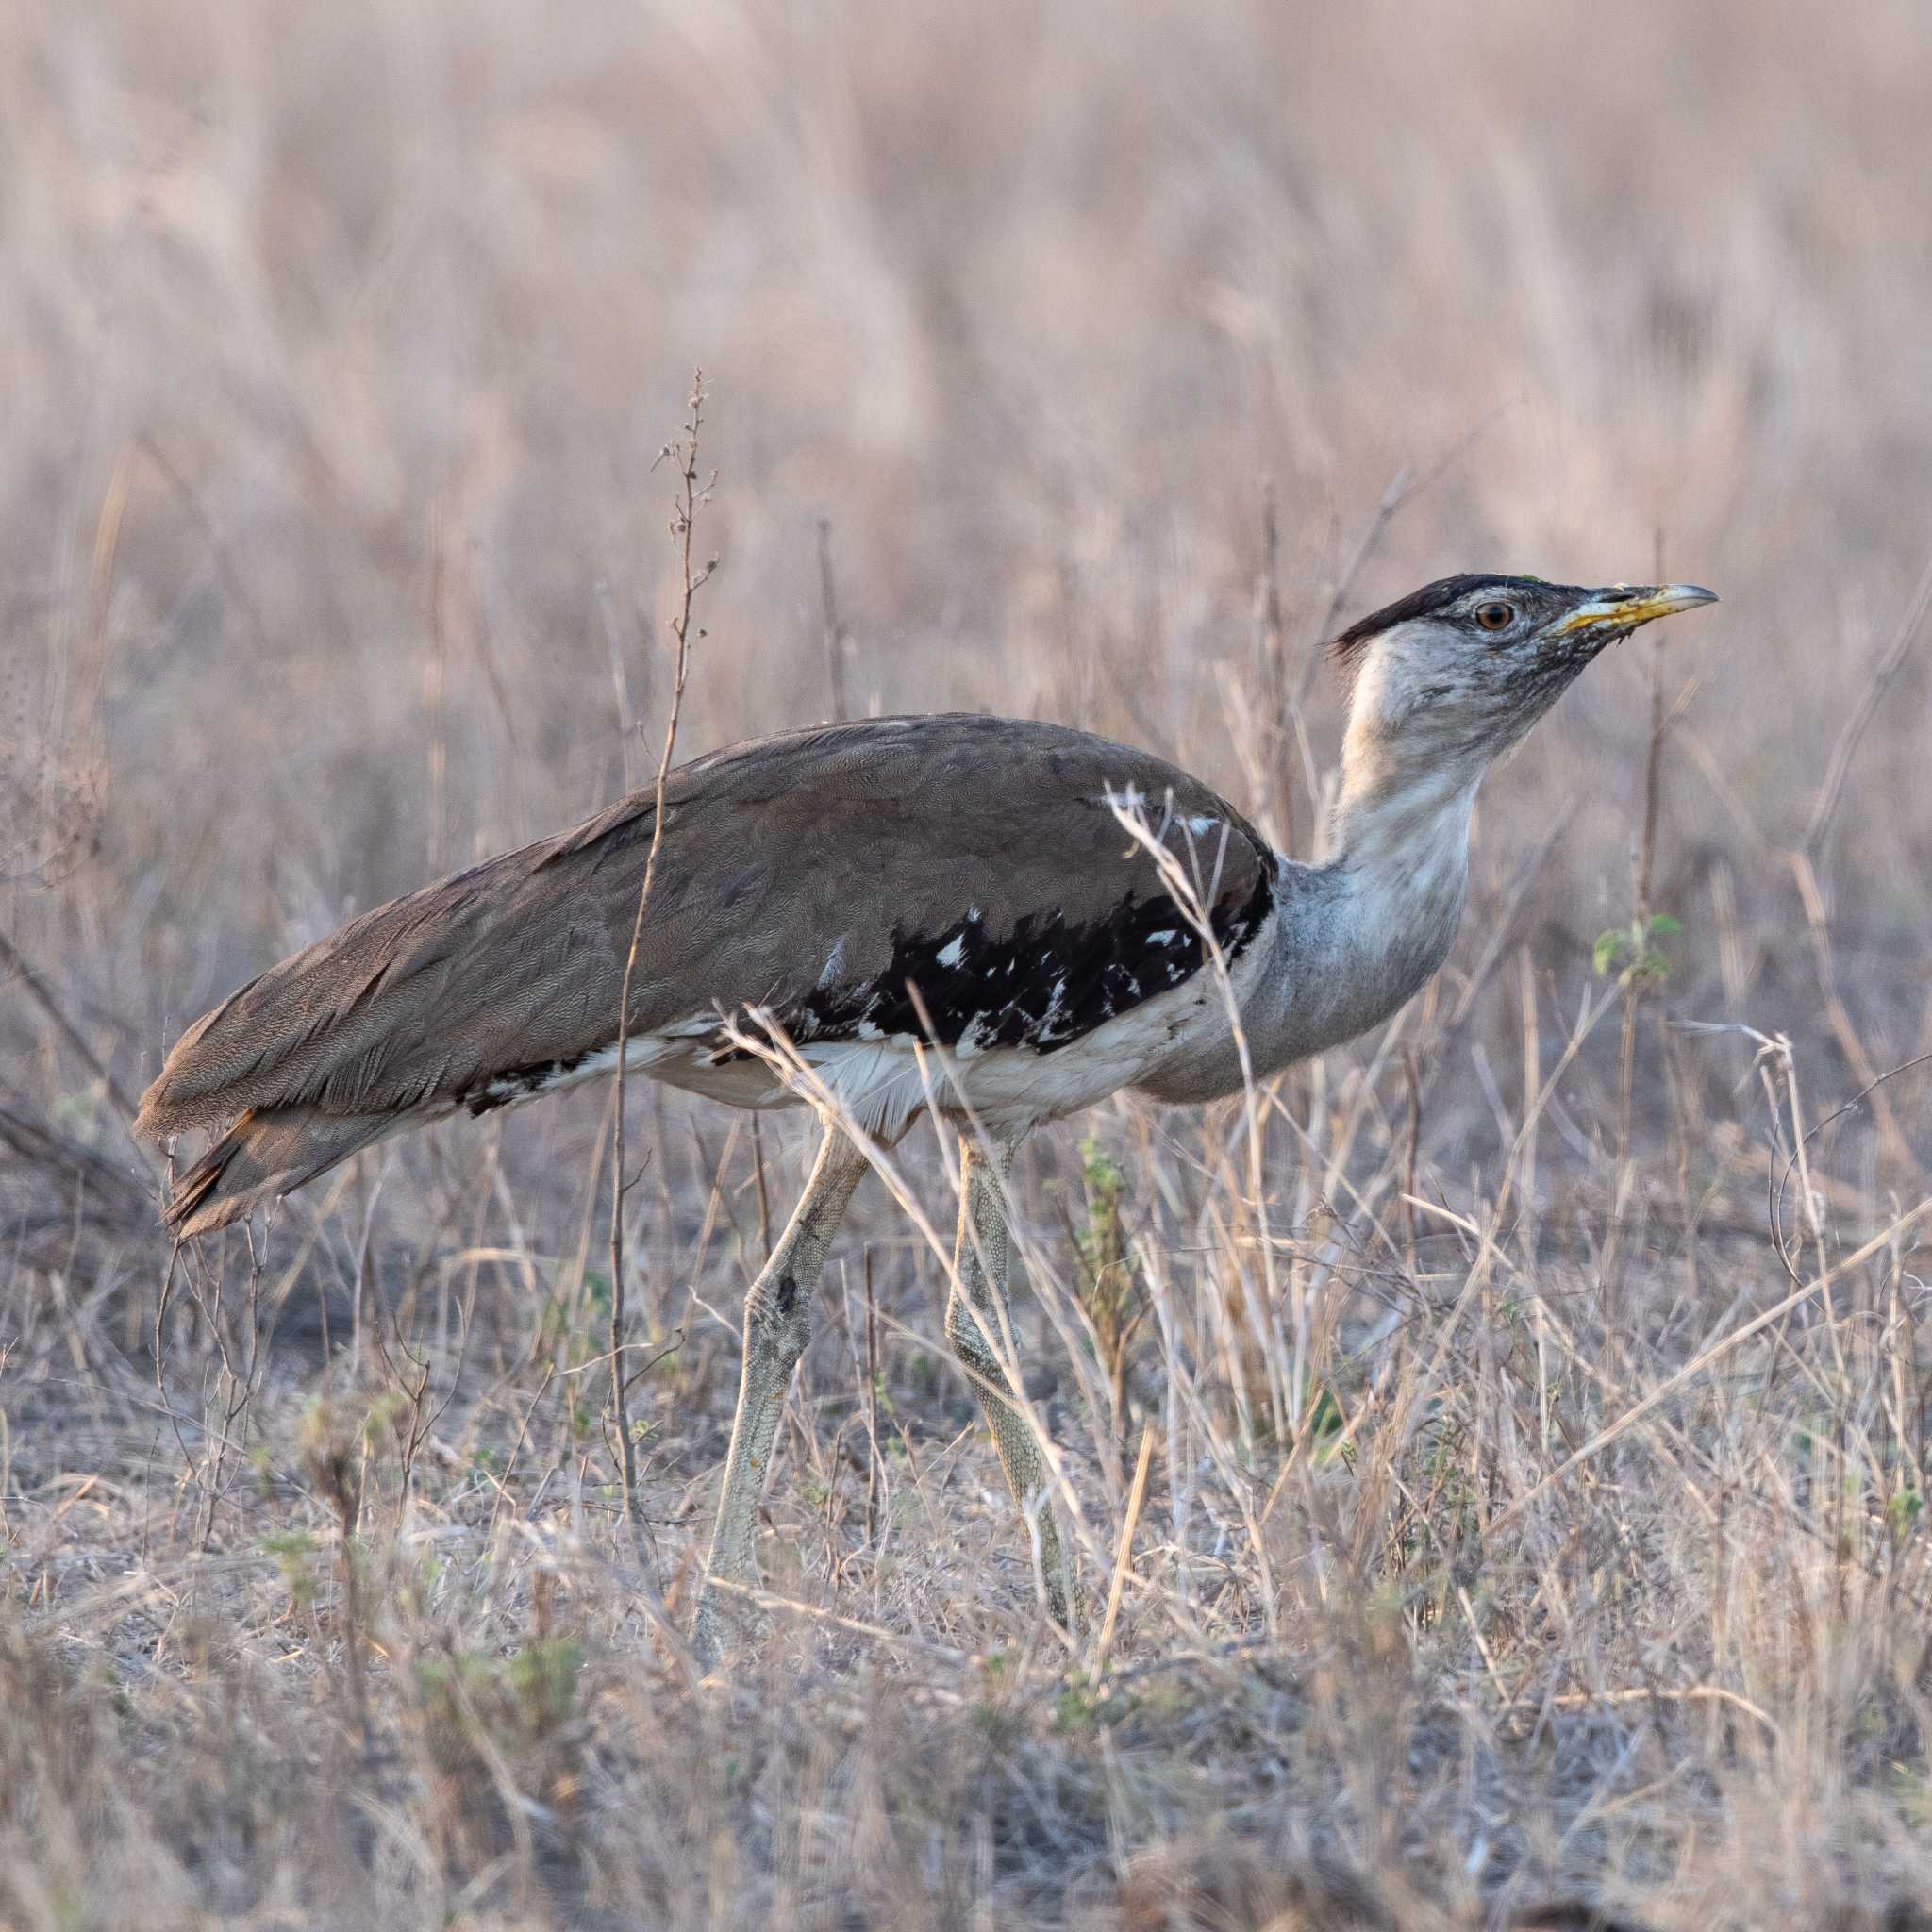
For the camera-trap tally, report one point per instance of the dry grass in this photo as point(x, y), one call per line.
point(1495, 1559)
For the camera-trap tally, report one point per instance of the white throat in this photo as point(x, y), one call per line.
point(1385, 834)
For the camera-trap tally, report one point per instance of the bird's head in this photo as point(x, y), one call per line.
point(1452, 675)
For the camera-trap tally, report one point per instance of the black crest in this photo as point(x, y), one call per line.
point(1424, 603)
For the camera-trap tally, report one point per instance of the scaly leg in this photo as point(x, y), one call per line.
point(777, 1326)
point(981, 1334)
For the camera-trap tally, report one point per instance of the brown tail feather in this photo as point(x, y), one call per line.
point(267, 1153)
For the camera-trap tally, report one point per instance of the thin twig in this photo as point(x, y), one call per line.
point(42, 995)
point(1653, 764)
point(1136, 1495)
point(1646, 868)
point(1846, 748)
point(1270, 666)
point(1688, 1693)
point(1406, 483)
point(683, 450)
point(897, 1639)
point(834, 628)
point(872, 1407)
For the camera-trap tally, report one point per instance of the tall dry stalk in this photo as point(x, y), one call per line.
point(683, 451)
point(1644, 965)
point(833, 626)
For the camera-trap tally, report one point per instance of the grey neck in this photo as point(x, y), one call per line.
point(1354, 937)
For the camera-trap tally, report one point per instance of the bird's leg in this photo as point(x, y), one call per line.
point(777, 1326)
point(978, 1327)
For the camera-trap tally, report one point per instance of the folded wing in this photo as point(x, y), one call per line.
point(821, 877)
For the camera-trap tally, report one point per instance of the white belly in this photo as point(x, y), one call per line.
point(884, 1083)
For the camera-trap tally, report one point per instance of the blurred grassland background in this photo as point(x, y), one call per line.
point(1078, 361)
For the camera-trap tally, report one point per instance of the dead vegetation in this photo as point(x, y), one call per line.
point(1510, 1510)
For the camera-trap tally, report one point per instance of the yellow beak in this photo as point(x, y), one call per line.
point(1624, 607)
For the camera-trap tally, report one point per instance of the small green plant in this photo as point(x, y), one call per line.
point(542, 1681)
point(1075, 1710)
point(1111, 1291)
point(293, 1550)
point(1632, 953)
point(1326, 1423)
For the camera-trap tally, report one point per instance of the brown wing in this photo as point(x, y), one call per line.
point(814, 873)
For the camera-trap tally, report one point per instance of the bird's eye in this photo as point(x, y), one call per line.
point(1496, 616)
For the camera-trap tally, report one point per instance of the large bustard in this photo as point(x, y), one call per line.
point(908, 912)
